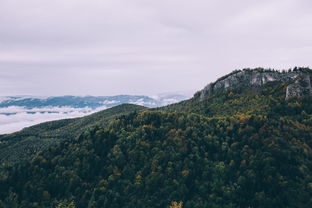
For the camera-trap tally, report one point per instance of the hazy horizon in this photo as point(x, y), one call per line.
point(80, 47)
point(184, 93)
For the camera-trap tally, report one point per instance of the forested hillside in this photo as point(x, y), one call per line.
point(20, 146)
point(242, 146)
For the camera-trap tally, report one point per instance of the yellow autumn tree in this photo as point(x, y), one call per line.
point(175, 204)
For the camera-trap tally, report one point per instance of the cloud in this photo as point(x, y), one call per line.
point(15, 118)
point(144, 47)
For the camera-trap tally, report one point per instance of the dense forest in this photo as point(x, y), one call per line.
point(242, 147)
point(22, 145)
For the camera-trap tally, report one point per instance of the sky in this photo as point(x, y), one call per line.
point(96, 47)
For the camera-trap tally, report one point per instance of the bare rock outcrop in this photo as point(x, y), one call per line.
point(300, 87)
point(299, 81)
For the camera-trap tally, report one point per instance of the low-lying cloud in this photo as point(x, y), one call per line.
point(18, 112)
point(15, 118)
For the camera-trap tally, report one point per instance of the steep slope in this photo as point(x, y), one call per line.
point(21, 145)
point(247, 91)
point(239, 146)
point(298, 81)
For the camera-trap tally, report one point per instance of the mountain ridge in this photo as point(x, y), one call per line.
point(18, 112)
point(299, 81)
point(88, 101)
point(197, 104)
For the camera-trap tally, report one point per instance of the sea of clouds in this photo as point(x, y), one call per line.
point(15, 118)
point(19, 112)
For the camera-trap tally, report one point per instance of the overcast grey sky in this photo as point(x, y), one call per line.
point(108, 47)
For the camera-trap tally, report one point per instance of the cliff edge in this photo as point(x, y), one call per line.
point(298, 81)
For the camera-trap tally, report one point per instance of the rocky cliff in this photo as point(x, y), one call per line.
point(298, 80)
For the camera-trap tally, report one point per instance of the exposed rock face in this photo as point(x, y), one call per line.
point(299, 82)
point(300, 87)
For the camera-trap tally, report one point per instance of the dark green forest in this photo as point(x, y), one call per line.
point(21, 146)
point(238, 148)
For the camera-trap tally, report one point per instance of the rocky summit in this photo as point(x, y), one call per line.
point(298, 81)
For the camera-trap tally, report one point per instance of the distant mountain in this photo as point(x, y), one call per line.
point(93, 102)
point(17, 112)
